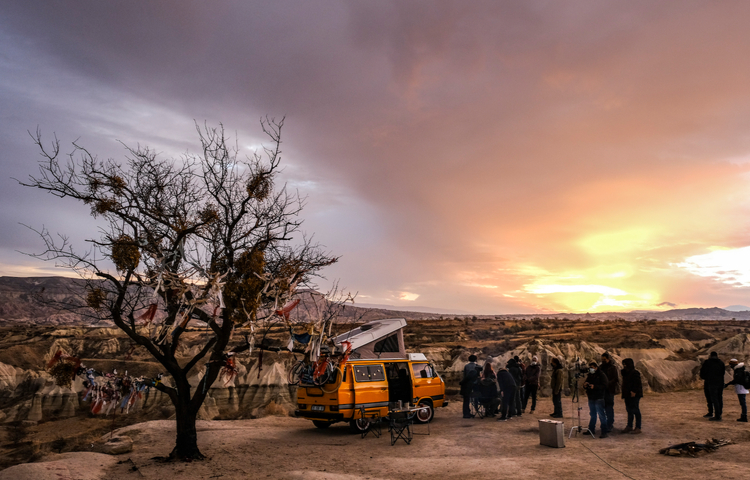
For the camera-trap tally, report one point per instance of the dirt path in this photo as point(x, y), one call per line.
point(288, 448)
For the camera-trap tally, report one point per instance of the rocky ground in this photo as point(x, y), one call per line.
point(287, 448)
point(38, 417)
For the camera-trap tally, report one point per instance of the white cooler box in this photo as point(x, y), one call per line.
point(551, 433)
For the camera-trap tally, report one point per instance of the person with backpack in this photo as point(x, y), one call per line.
point(471, 375)
point(741, 382)
point(632, 391)
point(712, 373)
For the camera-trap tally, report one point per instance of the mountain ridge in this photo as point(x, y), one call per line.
point(32, 300)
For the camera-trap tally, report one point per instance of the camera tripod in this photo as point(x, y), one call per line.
point(575, 401)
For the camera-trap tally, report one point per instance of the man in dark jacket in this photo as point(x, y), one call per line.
point(632, 391)
point(508, 391)
point(595, 386)
point(533, 373)
point(471, 374)
point(556, 383)
point(609, 369)
point(517, 373)
point(712, 373)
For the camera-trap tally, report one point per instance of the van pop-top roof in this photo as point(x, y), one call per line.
point(376, 339)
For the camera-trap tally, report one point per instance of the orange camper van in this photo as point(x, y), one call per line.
point(379, 372)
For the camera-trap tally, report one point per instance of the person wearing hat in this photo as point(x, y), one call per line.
point(739, 382)
point(533, 373)
point(632, 391)
point(596, 386)
point(712, 373)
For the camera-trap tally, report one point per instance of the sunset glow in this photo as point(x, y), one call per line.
point(488, 158)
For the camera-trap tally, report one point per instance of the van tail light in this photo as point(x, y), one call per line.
point(302, 406)
point(334, 408)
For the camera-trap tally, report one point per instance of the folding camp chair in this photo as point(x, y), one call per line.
point(477, 405)
point(370, 418)
point(400, 426)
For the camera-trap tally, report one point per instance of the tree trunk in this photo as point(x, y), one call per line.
point(186, 445)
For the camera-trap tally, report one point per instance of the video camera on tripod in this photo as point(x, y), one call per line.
point(581, 368)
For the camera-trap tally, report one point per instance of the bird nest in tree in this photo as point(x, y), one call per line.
point(64, 370)
point(125, 253)
point(95, 298)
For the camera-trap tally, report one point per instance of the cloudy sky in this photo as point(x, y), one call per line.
point(485, 157)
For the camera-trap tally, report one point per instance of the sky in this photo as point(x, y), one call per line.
point(487, 157)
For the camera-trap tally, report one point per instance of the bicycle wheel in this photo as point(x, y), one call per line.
point(324, 377)
point(334, 381)
point(295, 373)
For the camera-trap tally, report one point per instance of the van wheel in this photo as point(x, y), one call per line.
point(358, 426)
point(426, 414)
point(322, 423)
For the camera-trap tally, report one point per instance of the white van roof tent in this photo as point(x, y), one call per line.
point(363, 338)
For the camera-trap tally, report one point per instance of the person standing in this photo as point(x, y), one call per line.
point(632, 392)
point(609, 369)
point(471, 374)
point(739, 380)
point(557, 385)
point(517, 374)
point(596, 386)
point(712, 373)
point(533, 373)
point(508, 391)
point(488, 390)
point(521, 386)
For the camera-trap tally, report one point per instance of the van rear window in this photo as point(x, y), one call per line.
point(369, 373)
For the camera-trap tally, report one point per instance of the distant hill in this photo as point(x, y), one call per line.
point(39, 301)
point(715, 313)
point(402, 308)
point(737, 308)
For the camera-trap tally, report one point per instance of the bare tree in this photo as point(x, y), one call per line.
point(208, 237)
